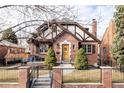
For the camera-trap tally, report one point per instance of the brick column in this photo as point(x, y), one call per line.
point(23, 76)
point(57, 77)
point(106, 77)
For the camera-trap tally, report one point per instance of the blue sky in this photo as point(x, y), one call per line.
point(102, 13)
point(84, 13)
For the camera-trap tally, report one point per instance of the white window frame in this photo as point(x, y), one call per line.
point(43, 47)
point(87, 48)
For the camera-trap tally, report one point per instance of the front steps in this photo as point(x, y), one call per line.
point(42, 82)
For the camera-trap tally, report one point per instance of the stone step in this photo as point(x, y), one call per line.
point(41, 87)
point(44, 79)
point(42, 83)
point(40, 80)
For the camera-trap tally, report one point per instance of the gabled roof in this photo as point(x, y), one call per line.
point(63, 32)
point(9, 44)
point(45, 26)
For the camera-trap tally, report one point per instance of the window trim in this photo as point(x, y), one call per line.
point(86, 51)
point(44, 46)
point(90, 49)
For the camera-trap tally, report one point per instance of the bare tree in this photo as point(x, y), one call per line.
point(26, 18)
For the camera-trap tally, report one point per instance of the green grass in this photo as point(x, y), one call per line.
point(82, 76)
point(117, 76)
point(91, 76)
point(9, 75)
point(13, 75)
point(76, 76)
point(43, 72)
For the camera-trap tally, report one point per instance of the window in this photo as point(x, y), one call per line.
point(88, 48)
point(12, 50)
point(42, 59)
point(43, 48)
point(84, 47)
point(73, 46)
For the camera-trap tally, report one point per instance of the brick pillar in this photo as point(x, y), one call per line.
point(106, 77)
point(57, 77)
point(23, 76)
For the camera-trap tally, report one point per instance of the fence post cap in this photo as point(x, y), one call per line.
point(61, 67)
point(24, 67)
point(104, 67)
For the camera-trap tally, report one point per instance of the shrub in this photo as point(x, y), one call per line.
point(50, 59)
point(80, 61)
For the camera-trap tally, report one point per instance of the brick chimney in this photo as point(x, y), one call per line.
point(94, 27)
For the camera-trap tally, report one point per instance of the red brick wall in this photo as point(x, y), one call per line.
point(92, 58)
point(94, 27)
point(106, 77)
point(107, 41)
point(70, 39)
point(57, 78)
point(106, 80)
point(23, 79)
point(82, 86)
point(118, 85)
point(9, 85)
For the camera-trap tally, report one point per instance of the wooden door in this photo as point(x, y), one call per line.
point(65, 52)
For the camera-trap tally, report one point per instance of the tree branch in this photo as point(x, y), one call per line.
point(5, 6)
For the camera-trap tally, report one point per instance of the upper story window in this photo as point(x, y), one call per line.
point(89, 48)
point(43, 48)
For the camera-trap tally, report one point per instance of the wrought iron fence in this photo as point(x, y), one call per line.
point(117, 75)
point(32, 75)
point(9, 75)
point(71, 75)
point(36, 72)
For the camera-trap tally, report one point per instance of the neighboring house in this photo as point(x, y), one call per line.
point(65, 37)
point(10, 52)
point(106, 43)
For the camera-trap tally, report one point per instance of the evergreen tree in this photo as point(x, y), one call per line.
point(117, 49)
point(80, 61)
point(9, 36)
point(50, 59)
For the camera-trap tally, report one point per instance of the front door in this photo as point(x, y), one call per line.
point(65, 52)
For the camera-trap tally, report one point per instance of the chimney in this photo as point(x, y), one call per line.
point(94, 27)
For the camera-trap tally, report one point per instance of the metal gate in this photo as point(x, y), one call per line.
point(40, 76)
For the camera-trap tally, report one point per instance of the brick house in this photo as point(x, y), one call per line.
point(106, 43)
point(65, 37)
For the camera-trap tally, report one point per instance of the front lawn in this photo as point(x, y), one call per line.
point(9, 75)
point(13, 75)
point(82, 76)
point(90, 76)
point(69, 76)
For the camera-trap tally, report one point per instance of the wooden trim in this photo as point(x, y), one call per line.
point(83, 29)
point(80, 35)
point(66, 30)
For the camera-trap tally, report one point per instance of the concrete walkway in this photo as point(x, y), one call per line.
point(66, 66)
